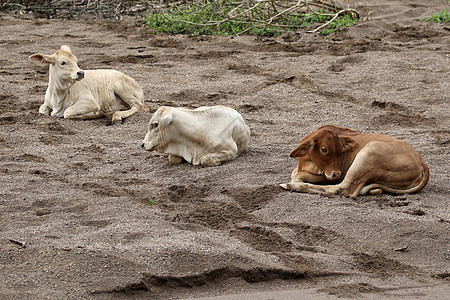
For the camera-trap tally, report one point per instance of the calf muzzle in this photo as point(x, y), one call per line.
point(333, 176)
point(80, 74)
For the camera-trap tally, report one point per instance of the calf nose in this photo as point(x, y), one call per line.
point(80, 74)
point(336, 175)
point(142, 145)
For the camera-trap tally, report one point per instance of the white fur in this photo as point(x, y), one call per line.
point(206, 135)
point(78, 94)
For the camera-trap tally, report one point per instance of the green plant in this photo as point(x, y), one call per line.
point(264, 17)
point(440, 17)
point(344, 21)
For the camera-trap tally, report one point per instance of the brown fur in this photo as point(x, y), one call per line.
point(349, 163)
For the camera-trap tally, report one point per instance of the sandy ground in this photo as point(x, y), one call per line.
point(103, 219)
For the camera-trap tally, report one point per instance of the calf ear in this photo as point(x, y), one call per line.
point(165, 121)
point(66, 48)
point(42, 59)
point(303, 149)
point(348, 143)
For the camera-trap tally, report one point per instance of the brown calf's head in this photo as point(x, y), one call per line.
point(324, 149)
point(63, 70)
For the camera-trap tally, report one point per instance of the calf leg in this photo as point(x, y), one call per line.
point(380, 166)
point(83, 109)
point(307, 177)
point(305, 187)
point(215, 159)
point(121, 115)
point(131, 93)
point(45, 110)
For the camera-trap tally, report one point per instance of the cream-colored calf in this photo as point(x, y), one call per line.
point(207, 135)
point(77, 94)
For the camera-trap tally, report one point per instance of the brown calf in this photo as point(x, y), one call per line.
point(339, 161)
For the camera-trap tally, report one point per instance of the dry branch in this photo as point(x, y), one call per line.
point(253, 13)
point(67, 9)
point(20, 243)
point(262, 13)
point(334, 17)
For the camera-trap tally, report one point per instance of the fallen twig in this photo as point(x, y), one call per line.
point(20, 243)
point(401, 249)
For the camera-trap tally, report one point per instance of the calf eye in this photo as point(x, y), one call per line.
point(324, 150)
point(154, 125)
point(63, 63)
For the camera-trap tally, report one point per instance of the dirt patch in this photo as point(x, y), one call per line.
point(353, 290)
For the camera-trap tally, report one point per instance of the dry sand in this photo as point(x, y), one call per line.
point(103, 219)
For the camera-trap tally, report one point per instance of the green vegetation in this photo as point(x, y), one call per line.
point(225, 17)
point(440, 17)
point(344, 21)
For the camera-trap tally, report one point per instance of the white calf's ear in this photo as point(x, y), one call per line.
point(165, 121)
point(42, 59)
point(66, 48)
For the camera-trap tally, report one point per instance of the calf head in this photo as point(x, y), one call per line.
point(157, 137)
point(324, 148)
point(63, 68)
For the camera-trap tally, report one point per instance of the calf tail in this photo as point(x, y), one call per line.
point(140, 106)
point(141, 103)
point(425, 176)
point(241, 136)
point(145, 108)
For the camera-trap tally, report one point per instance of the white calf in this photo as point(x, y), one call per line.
point(77, 94)
point(206, 135)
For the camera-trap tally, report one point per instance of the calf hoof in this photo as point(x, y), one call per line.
point(45, 110)
point(285, 186)
point(293, 186)
point(173, 159)
point(116, 119)
point(210, 162)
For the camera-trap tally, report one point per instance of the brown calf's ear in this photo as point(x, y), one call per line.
point(348, 143)
point(42, 59)
point(302, 149)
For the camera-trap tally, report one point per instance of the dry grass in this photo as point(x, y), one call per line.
point(68, 9)
point(249, 10)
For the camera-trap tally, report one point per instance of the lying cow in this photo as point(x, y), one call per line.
point(100, 92)
point(206, 135)
point(339, 161)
